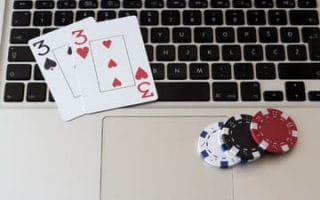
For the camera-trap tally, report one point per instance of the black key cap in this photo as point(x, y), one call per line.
point(176, 4)
point(51, 98)
point(199, 71)
point(264, 3)
point(213, 17)
point(21, 18)
point(148, 17)
point(277, 17)
point(209, 52)
point(18, 72)
point(44, 4)
point(220, 4)
point(191, 17)
point(13, 92)
point(88, 4)
point(170, 17)
point(177, 71)
point(247, 35)
point(181, 35)
point(20, 54)
point(234, 17)
point(250, 91)
point(22, 36)
point(268, 35)
point(166, 53)
point(36, 92)
point(42, 18)
point(265, 71)
point(160, 35)
point(253, 52)
point(183, 91)
point(203, 35)
point(157, 70)
point(144, 33)
point(67, 4)
point(22, 5)
point(106, 15)
point(275, 52)
point(242, 3)
point(295, 91)
point(225, 35)
point(154, 4)
point(231, 53)
point(37, 75)
point(126, 13)
point(289, 35)
point(48, 30)
point(307, 3)
point(221, 71)
point(187, 53)
point(286, 3)
point(225, 91)
point(84, 14)
point(299, 70)
point(310, 34)
point(314, 52)
point(314, 95)
point(304, 17)
point(132, 3)
point(243, 71)
point(297, 52)
point(198, 3)
point(256, 17)
point(149, 50)
point(110, 4)
point(273, 96)
point(63, 18)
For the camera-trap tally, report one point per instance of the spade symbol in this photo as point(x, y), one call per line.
point(69, 51)
point(49, 64)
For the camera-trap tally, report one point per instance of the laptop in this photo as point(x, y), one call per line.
point(210, 60)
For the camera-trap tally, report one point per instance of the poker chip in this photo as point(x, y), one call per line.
point(210, 150)
point(236, 140)
point(274, 131)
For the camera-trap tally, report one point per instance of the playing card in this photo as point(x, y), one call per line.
point(53, 54)
point(112, 64)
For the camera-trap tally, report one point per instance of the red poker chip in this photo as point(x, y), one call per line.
point(274, 131)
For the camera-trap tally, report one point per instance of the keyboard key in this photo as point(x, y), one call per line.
point(21, 18)
point(149, 50)
point(243, 71)
point(265, 71)
point(127, 13)
point(22, 4)
point(221, 71)
point(247, 35)
point(209, 52)
point(177, 71)
point(166, 53)
point(203, 35)
point(132, 3)
point(314, 52)
point(154, 4)
point(299, 71)
point(198, 3)
point(110, 4)
point(42, 18)
point(277, 17)
point(106, 15)
point(44, 4)
point(19, 72)
point(187, 53)
point(225, 91)
point(304, 17)
point(63, 18)
point(181, 35)
point(176, 4)
point(314, 95)
point(213, 17)
point(36, 92)
point(67, 4)
point(235, 17)
point(231, 53)
point(275, 52)
point(37, 75)
point(160, 35)
point(256, 17)
point(220, 4)
point(51, 98)
point(297, 52)
point(13, 92)
point(286, 3)
point(242, 3)
point(199, 71)
point(157, 70)
point(144, 33)
point(84, 14)
point(264, 3)
point(20, 54)
point(307, 3)
point(273, 96)
point(170, 17)
point(148, 17)
point(253, 52)
point(225, 35)
point(310, 34)
point(191, 17)
point(250, 91)
point(295, 91)
point(268, 35)
point(48, 30)
point(183, 91)
point(88, 4)
point(22, 36)
point(289, 35)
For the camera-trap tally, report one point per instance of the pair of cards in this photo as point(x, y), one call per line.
point(90, 67)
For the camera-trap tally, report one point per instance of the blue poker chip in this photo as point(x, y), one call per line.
point(210, 150)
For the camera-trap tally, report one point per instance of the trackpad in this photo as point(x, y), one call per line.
point(156, 158)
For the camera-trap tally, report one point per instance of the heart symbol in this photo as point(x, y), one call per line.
point(112, 63)
point(116, 83)
point(83, 52)
point(107, 43)
point(49, 64)
point(141, 74)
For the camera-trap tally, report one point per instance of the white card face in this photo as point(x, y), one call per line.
point(112, 64)
point(53, 54)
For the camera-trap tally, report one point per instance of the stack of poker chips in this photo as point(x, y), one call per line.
point(245, 138)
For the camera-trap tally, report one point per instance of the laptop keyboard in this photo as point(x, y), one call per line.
point(199, 50)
